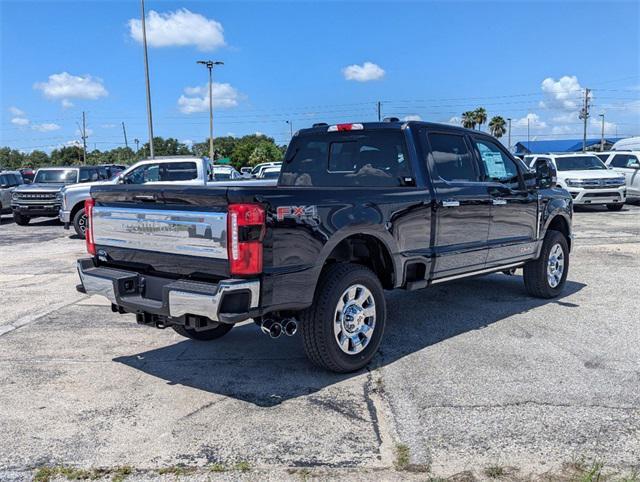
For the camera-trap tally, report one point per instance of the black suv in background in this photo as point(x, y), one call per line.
point(42, 198)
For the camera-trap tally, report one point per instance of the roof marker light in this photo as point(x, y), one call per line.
point(345, 127)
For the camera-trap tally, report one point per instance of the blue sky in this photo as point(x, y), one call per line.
point(310, 62)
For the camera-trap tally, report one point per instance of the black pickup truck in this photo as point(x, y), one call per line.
point(358, 208)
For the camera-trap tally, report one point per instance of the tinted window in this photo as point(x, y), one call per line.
point(103, 173)
point(88, 175)
point(4, 180)
point(579, 163)
point(178, 171)
point(623, 160)
point(452, 158)
point(66, 176)
point(602, 157)
point(497, 166)
point(142, 174)
point(353, 158)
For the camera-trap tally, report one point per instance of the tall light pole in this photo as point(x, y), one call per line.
point(584, 116)
point(602, 134)
point(209, 65)
point(509, 136)
point(146, 73)
point(528, 134)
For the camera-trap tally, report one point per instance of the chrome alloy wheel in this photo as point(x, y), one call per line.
point(354, 319)
point(555, 265)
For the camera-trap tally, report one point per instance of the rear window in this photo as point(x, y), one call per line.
point(355, 158)
point(178, 171)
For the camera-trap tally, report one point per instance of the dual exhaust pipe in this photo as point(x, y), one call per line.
point(274, 328)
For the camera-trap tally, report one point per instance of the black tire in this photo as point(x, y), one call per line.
point(536, 279)
point(317, 322)
point(80, 223)
point(615, 207)
point(207, 335)
point(20, 219)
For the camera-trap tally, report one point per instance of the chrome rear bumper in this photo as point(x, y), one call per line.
point(139, 293)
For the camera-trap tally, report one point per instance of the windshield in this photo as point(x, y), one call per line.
point(579, 163)
point(65, 176)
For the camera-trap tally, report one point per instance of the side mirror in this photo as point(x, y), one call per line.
point(546, 174)
point(634, 165)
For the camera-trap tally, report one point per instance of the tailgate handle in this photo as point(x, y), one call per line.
point(145, 197)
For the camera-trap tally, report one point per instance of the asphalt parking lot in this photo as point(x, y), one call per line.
point(475, 379)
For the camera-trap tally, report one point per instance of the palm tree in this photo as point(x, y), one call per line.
point(497, 126)
point(469, 120)
point(481, 116)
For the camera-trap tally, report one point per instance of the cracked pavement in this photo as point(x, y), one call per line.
point(471, 374)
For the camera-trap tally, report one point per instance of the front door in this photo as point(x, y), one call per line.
point(623, 163)
point(462, 206)
point(514, 209)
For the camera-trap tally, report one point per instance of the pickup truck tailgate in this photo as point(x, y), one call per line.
point(173, 230)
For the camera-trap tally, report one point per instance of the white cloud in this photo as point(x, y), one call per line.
point(412, 117)
point(46, 127)
point(65, 86)
point(179, 28)
point(532, 119)
point(566, 118)
point(363, 73)
point(20, 121)
point(596, 123)
point(188, 142)
point(564, 94)
point(562, 129)
point(455, 120)
point(17, 112)
point(259, 134)
point(196, 99)
point(66, 103)
point(73, 143)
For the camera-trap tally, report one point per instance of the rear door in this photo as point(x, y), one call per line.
point(462, 205)
point(514, 209)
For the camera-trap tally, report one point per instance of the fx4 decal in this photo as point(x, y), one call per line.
point(296, 212)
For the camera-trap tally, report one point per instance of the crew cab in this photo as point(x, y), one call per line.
point(160, 170)
point(358, 208)
point(42, 198)
point(587, 179)
point(627, 164)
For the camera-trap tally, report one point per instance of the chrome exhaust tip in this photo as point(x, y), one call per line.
point(272, 328)
point(290, 327)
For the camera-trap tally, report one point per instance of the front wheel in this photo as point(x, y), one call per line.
point(206, 335)
point(545, 277)
point(80, 223)
point(343, 328)
point(614, 207)
point(20, 219)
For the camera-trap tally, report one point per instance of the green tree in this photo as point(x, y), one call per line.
point(36, 159)
point(11, 158)
point(480, 115)
point(265, 152)
point(67, 156)
point(222, 147)
point(166, 147)
point(497, 126)
point(469, 119)
point(245, 147)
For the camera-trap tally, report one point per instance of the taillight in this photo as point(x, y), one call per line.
point(345, 127)
point(88, 233)
point(245, 230)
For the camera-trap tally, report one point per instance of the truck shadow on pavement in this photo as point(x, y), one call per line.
point(249, 366)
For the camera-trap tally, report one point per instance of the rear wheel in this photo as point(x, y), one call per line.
point(80, 223)
point(343, 328)
point(20, 219)
point(545, 277)
point(614, 207)
point(206, 335)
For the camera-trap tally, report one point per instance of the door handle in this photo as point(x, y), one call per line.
point(450, 203)
point(499, 202)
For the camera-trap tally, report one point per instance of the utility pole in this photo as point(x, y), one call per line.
point(584, 115)
point(290, 130)
point(509, 135)
point(137, 141)
point(146, 72)
point(528, 134)
point(379, 106)
point(124, 131)
point(84, 136)
point(209, 65)
point(602, 134)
